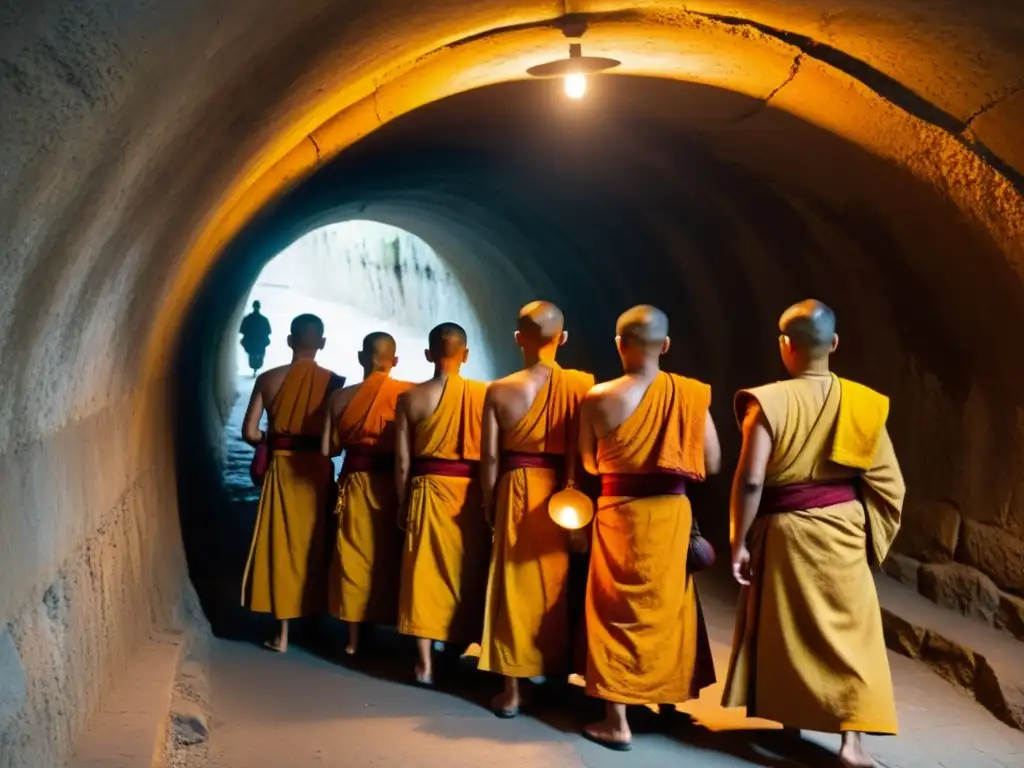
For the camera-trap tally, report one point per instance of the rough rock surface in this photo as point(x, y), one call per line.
point(931, 532)
point(983, 660)
point(1011, 615)
point(902, 568)
point(960, 587)
point(996, 552)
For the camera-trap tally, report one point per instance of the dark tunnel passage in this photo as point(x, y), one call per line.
point(154, 155)
point(644, 195)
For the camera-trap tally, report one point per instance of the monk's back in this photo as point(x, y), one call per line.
point(647, 429)
point(295, 393)
point(447, 414)
point(535, 408)
point(422, 400)
point(368, 410)
point(800, 429)
point(515, 394)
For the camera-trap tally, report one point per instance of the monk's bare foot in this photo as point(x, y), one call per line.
point(612, 732)
point(852, 753)
point(507, 703)
point(280, 642)
point(424, 676)
point(353, 640)
point(425, 662)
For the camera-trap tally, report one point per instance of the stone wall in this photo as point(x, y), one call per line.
point(89, 568)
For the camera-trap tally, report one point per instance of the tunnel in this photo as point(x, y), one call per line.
point(745, 155)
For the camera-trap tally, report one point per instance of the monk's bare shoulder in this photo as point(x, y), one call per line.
point(340, 398)
point(600, 393)
point(502, 389)
point(419, 401)
point(270, 381)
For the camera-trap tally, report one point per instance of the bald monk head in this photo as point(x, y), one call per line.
point(378, 354)
point(448, 346)
point(540, 327)
point(307, 335)
point(642, 335)
point(807, 336)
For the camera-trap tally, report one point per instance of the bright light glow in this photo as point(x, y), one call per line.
point(571, 509)
point(575, 85)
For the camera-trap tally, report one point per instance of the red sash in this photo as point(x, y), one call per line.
point(361, 459)
point(643, 485)
point(444, 467)
point(779, 499)
point(522, 460)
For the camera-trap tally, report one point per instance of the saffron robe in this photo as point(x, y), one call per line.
point(367, 560)
point(645, 638)
point(808, 649)
point(444, 562)
point(526, 619)
point(286, 572)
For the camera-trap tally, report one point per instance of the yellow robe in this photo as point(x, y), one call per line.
point(526, 620)
point(366, 566)
point(644, 638)
point(287, 567)
point(808, 650)
point(444, 563)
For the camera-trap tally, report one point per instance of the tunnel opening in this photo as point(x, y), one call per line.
point(703, 202)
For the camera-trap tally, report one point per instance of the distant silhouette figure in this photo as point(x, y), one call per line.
point(255, 332)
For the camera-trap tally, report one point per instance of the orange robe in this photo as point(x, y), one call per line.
point(808, 650)
point(287, 567)
point(444, 563)
point(526, 622)
point(645, 644)
point(366, 567)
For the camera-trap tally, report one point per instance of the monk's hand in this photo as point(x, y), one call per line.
point(741, 564)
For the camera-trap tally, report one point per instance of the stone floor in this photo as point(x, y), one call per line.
point(307, 709)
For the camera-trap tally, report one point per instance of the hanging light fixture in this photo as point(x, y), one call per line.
point(575, 69)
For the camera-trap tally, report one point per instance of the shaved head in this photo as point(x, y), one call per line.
point(447, 340)
point(379, 345)
point(307, 332)
point(541, 322)
point(643, 326)
point(810, 327)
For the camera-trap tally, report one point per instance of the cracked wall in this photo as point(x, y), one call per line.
point(143, 140)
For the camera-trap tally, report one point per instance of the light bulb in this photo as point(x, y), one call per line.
point(575, 85)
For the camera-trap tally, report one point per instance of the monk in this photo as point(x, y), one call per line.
point(444, 564)
point(816, 499)
point(647, 434)
point(530, 436)
point(360, 421)
point(287, 567)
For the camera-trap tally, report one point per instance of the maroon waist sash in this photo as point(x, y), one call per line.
point(359, 458)
point(778, 499)
point(301, 443)
point(642, 485)
point(521, 460)
point(444, 467)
